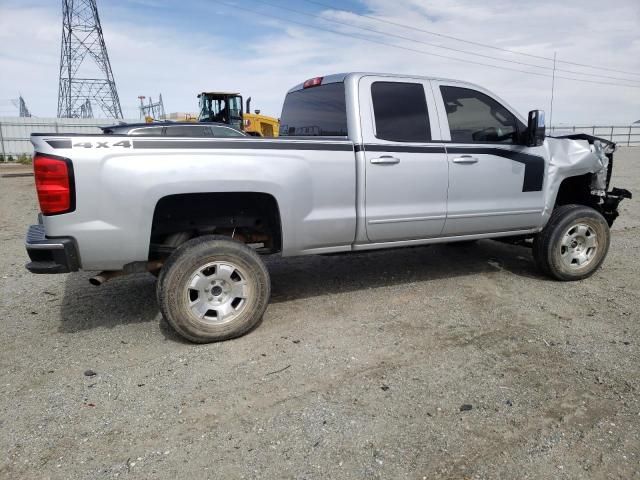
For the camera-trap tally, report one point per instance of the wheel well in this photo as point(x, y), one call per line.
point(250, 217)
point(576, 190)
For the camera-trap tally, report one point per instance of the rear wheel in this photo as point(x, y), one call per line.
point(573, 244)
point(213, 288)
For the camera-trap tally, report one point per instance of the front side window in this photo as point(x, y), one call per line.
point(400, 111)
point(477, 118)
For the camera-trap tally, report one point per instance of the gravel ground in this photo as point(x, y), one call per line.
point(359, 370)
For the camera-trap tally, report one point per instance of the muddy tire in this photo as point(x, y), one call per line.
point(213, 288)
point(573, 244)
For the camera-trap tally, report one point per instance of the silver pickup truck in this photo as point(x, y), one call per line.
point(365, 161)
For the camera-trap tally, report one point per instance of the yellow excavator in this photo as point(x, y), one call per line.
point(227, 107)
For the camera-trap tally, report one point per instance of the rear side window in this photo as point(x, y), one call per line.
point(477, 118)
point(400, 111)
point(315, 111)
point(188, 131)
point(147, 131)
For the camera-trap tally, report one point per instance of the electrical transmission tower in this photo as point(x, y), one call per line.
point(151, 109)
point(22, 106)
point(85, 82)
point(24, 111)
point(85, 110)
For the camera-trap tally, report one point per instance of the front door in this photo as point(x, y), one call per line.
point(406, 172)
point(495, 182)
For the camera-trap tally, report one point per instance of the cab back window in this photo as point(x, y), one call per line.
point(315, 111)
point(400, 111)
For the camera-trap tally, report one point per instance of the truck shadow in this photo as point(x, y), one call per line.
point(122, 301)
point(302, 277)
point(132, 299)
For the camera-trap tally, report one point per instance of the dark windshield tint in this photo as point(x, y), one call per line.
point(314, 111)
point(400, 110)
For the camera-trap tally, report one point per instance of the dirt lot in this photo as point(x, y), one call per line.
point(359, 369)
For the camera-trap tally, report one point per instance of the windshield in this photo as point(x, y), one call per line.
point(315, 111)
point(220, 109)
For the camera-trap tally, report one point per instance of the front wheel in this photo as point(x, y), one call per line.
point(573, 244)
point(213, 288)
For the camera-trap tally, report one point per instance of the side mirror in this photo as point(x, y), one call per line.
point(535, 129)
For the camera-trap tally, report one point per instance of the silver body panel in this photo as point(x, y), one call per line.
point(333, 194)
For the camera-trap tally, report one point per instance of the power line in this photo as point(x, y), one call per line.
point(422, 52)
point(235, 6)
point(466, 52)
point(514, 52)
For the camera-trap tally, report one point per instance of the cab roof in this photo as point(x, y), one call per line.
point(341, 77)
point(218, 93)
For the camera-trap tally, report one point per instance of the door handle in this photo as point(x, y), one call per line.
point(465, 159)
point(385, 160)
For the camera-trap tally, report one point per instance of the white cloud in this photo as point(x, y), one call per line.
point(149, 60)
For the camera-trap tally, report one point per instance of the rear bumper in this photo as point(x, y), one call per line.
point(50, 255)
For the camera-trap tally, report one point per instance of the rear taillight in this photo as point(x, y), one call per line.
point(54, 184)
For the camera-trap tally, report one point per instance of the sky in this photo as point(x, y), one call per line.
point(262, 48)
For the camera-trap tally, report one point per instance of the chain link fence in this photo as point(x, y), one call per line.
point(623, 135)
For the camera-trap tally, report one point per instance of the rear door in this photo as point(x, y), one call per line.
point(405, 169)
point(495, 183)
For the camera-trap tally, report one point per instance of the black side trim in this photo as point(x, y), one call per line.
point(533, 164)
point(375, 147)
point(242, 145)
point(59, 143)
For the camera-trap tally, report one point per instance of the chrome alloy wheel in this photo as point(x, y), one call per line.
point(579, 246)
point(217, 292)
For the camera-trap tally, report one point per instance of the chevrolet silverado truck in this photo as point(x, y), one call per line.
point(365, 161)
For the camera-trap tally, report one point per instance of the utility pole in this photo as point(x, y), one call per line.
point(141, 98)
point(553, 84)
point(82, 40)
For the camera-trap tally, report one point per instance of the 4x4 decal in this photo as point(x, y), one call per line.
point(122, 143)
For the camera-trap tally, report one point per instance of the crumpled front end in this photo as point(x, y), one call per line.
point(580, 168)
